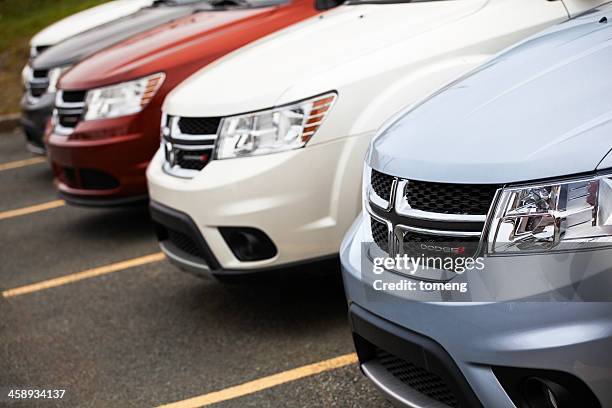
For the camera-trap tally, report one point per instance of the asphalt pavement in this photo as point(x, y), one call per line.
point(148, 335)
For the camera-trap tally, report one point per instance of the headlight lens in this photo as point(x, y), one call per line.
point(553, 217)
point(275, 130)
point(54, 76)
point(122, 99)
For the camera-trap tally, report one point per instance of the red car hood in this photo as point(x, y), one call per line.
point(171, 46)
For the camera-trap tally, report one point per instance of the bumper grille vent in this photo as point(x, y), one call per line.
point(418, 378)
point(184, 243)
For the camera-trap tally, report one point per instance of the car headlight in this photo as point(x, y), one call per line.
point(275, 130)
point(122, 99)
point(553, 217)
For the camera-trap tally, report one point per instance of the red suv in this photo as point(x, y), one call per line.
point(106, 123)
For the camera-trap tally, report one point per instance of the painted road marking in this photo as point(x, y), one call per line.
point(32, 209)
point(22, 163)
point(75, 277)
point(252, 387)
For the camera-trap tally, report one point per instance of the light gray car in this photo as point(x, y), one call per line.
point(480, 271)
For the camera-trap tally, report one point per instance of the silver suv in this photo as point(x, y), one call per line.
point(479, 273)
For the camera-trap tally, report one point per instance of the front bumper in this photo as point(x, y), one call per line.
point(103, 163)
point(303, 200)
point(563, 336)
point(35, 116)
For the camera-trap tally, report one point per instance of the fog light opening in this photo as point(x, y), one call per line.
point(249, 244)
point(543, 393)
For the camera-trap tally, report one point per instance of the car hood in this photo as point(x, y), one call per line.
point(87, 43)
point(540, 110)
point(160, 49)
point(261, 74)
point(85, 20)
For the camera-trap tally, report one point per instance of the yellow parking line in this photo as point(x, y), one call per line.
point(91, 273)
point(22, 163)
point(265, 382)
point(32, 209)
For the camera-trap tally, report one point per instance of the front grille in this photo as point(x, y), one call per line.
point(38, 83)
point(69, 110)
point(380, 234)
point(189, 144)
point(381, 184)
point(448, 218)
point(184, 243)
point(474, 199)
point(418, 378)
point(199, 126)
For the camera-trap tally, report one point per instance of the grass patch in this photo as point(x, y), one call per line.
point(20, 20)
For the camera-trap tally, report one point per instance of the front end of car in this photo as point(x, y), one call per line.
point(40, 87)
point(479, 272)
point(244, 193)
point(531, 328)
point(101, 141)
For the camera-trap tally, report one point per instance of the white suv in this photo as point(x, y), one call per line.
point(262, 151)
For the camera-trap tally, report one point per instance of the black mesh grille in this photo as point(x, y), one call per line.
point(193, 159)
point(74, 96)
point(40, 73)
point(199, 126)
point(38, 90)
point(418, 378)
point(445, 198)
point(380, 234)
point(69, 120)
point(381, 184)
point(185, 243)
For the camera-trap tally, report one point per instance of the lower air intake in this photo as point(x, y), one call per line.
point(418, 378)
